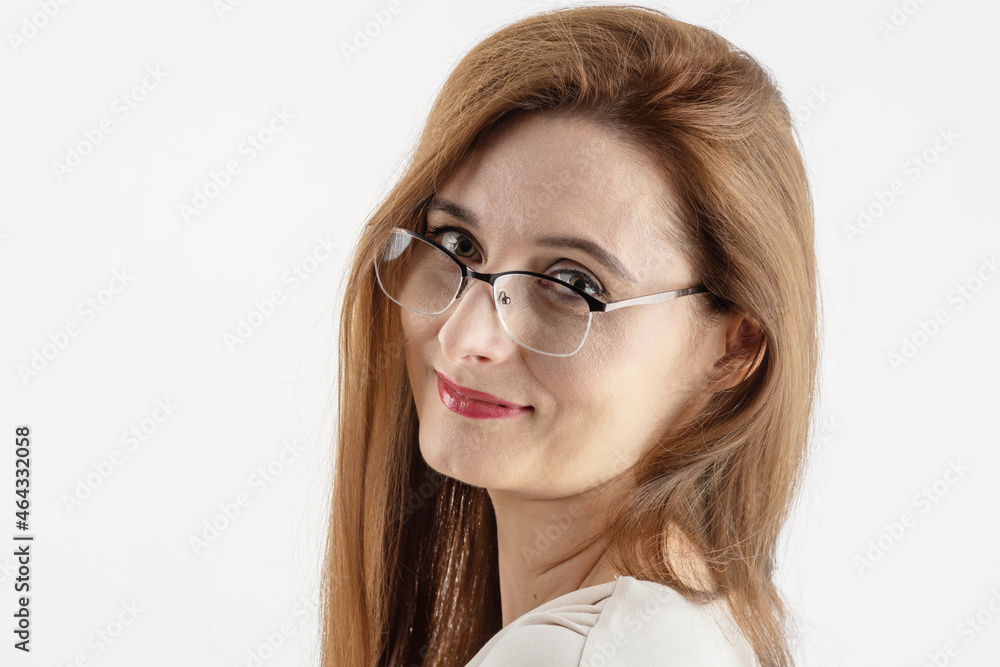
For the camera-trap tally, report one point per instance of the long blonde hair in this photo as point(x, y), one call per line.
point(411, 574)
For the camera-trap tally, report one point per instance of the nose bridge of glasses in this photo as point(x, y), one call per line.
point(494, 323)
point(466, 285)
point(472, 276)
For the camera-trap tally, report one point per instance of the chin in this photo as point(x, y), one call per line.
point(475, 460)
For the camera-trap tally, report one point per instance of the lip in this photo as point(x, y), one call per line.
point(476, 404)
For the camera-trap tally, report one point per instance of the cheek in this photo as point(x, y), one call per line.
point(422, 350)
point(418, 329)
point(621, 340)
point(637, 363)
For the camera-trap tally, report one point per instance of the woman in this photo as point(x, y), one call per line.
point(525, 474)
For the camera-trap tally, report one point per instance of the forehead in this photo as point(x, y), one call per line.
point(546, 175)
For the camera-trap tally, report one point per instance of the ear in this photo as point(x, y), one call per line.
point(745, 346)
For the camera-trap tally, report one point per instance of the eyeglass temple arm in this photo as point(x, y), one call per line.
point(655, 298)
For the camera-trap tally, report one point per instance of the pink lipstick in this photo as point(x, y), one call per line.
point(476, 404)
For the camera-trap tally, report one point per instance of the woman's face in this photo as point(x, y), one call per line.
point(591, 414)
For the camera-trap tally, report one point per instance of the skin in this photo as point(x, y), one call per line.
point(641, 369)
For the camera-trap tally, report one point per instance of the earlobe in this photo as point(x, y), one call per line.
point(745, 347)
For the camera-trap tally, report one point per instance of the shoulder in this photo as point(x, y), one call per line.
point(624, 622)
point(647, 623)
point(552, 635)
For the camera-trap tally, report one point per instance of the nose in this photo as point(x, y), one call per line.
point(473, 331)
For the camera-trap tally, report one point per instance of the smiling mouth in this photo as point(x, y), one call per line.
point(477, 396)
point(475, 408)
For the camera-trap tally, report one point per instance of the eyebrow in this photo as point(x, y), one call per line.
point(597, 252)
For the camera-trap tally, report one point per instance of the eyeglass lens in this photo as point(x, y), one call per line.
point(538, 313)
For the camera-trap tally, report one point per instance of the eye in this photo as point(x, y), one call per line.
point(452, 238)
point(459, 242)
point(581, 280)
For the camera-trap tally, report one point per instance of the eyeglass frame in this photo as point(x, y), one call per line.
point(595, 304)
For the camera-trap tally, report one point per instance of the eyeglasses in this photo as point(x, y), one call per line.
point(542, 313)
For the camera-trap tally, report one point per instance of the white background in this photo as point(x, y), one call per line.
point(868, 101)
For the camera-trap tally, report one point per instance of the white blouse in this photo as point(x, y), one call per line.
point(623, 622)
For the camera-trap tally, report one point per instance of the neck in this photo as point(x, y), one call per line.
point(547, 548)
